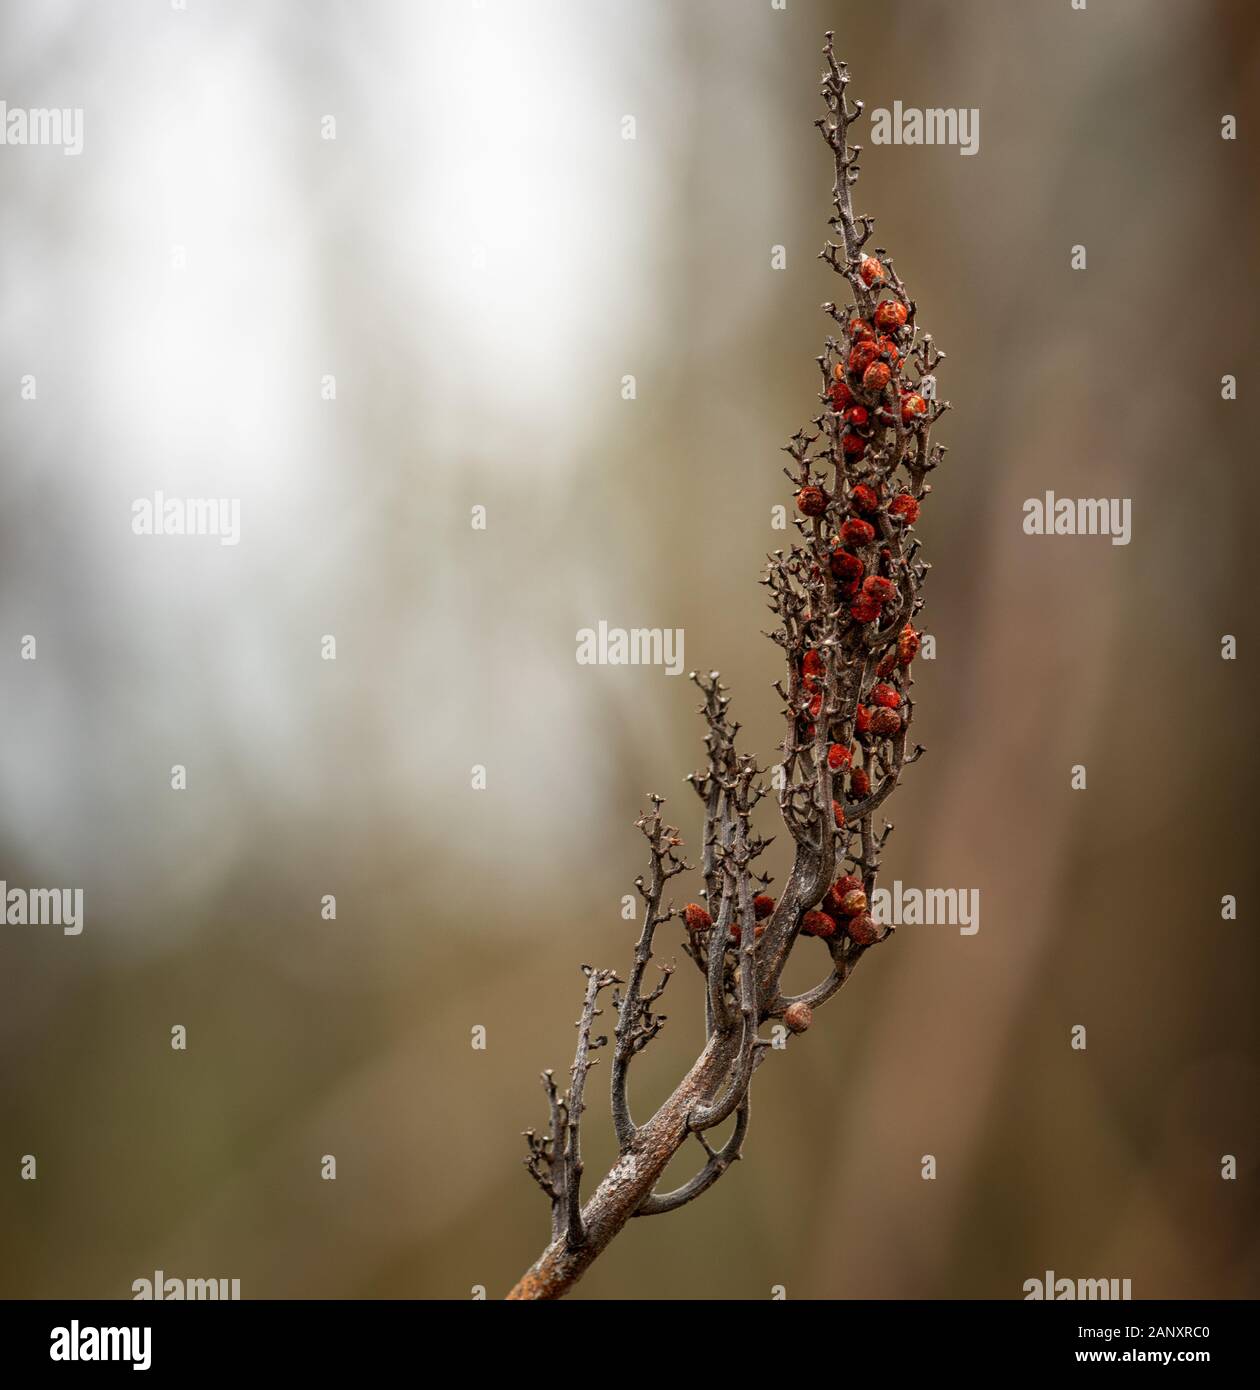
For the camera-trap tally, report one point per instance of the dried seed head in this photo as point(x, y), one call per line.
point(838, 812)
point(905, 507)
point(876, 376)
point(798, 1016)
point(864, 610)
point(864, 499)
point(817, 924)
point(763, 906)
point(845, 565)
point(846, 883)
point(853, 902)
point(891, 315)
point(812, 663)
point(907, 645)
point(834, 895)
point(862, 719)
point(811, 501)
point(862, 929)
point(885, 695)
point(862, 356)
point(838, 757)
point(855, 531)
point(870, 270)
point(880, 589)
point(838, 392)
point(912, 405)
point(885, 722)
point(860, 331)
point(696, 917)
point(860, 782)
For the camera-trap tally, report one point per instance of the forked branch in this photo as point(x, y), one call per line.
point(844, 596)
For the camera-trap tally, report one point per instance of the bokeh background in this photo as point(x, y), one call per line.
point(478, 258)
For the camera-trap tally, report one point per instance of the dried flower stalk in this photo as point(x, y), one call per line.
point(844, 596)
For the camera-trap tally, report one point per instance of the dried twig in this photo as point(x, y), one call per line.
point(844, 596)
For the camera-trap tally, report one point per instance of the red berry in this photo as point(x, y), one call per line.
point(815, 707)
point(870, 270)
point(887, 663)
point(853, 902)
point(696, 917)
point(876, 376)
point(763, 906)
point(905, 507)
point(854, 446)
point(880, 589)
point(838, 811)
point(912, 405)
point(838, 393)
point(798, 1016)
point(845, 565)
point(865, 499)
point(812, 664)
point(862, 929)
point(860, 331)
point(885, 722)
point(889, 349)
point(861, 357)
point(817, 924)
point(857, 532)
point(737, 935)
point(838, 891)
point(907, 645)
point(864, 610)
point(857, 416)
point(885, 695)
point(891, 315)
point(811, 501)
point(862, 720)
point(860, 782)
point(838, 756)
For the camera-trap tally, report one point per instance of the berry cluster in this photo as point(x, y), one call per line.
point(848, 593)
point(846, 899)
point(698, 920)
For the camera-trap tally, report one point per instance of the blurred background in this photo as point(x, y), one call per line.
point(479, 257)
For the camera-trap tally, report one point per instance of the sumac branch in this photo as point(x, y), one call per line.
point(844, 596)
